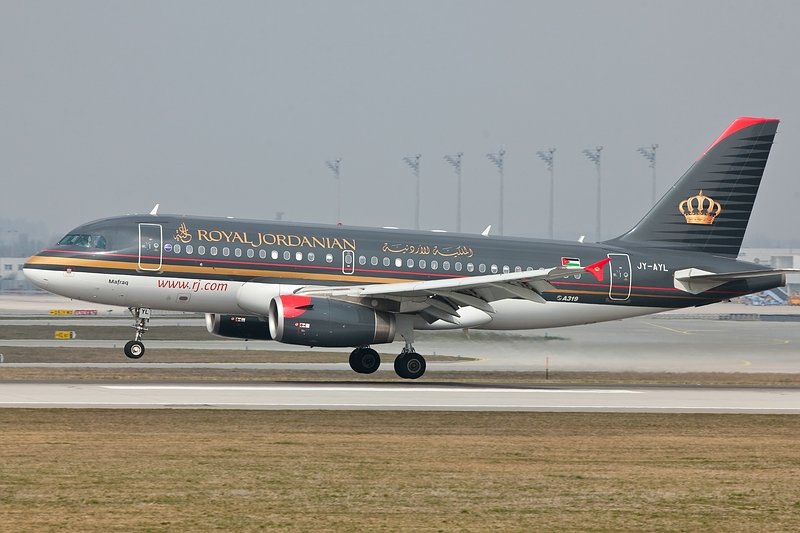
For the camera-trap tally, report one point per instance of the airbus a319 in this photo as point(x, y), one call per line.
point(340, 286)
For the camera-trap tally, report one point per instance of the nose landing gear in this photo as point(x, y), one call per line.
point(135, 349)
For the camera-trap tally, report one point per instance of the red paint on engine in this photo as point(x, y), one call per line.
point(295, 305)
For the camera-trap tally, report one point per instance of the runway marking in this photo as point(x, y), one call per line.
point(247, 388)
point(682, 332)
point(481, 407)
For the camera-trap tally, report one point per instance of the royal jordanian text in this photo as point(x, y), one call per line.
point(257, 240)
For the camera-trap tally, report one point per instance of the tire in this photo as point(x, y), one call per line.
point(134, 349)
point(365, 360)
point(410, 365)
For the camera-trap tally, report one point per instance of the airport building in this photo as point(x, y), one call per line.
point(775, 258)
point(11, 277)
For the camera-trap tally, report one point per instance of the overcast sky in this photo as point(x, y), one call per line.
point(232, 108)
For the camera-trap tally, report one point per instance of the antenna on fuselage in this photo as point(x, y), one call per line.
point(485, 232)
point(154, 212)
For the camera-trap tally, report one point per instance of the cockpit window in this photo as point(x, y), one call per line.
point(97, 242)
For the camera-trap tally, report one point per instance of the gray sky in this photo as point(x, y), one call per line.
point(231, 108)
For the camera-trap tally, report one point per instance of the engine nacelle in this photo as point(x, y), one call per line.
point(311, 321)
point(238, 326)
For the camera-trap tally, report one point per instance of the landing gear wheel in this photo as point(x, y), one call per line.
point(365, 360)
point(134, 349)
point(410, 365)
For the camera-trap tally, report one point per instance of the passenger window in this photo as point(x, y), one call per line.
point(517, 269)
point(494, 269)
point(238, 252)
point(213, 250)
point(189, 249)
point(274, 254)
point(529, 269)
point(470, 267)
point(446, 265)
point(298, 256)
point(482, 268)
point(398, 262)
point(251, 253)
point(287, 255)
point(262, 254)
point(226, 251)
point(177, 248)
point(506, 270)
point(362, 260)
point(410, 263)
point(386, 261)
point(329, 258)
point(423, 263)
point(311, 257)
point(458, 266)
point(435, 264)
point(201, 250)
point(373, 261)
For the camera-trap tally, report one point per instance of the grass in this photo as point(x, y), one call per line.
point(173, 470)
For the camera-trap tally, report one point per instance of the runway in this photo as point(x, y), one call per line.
point(402, 396)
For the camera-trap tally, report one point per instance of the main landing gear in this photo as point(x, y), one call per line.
point(408, 365)
point(141, 315)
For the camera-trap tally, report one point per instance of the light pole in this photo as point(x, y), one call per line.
point(547, 157)
point(497, 159)
point(413, 162)
point(650, 155)
point(334, 165)
point(455, 162)
point(594, 157)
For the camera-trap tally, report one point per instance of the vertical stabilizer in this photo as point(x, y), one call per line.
point(707, 210)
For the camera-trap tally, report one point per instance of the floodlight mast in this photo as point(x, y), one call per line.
point(334, 165)
point(413, 162)
point(455, 162)
point(498, 160)
point(547, 157)
point(594, 157)
point(650, 155)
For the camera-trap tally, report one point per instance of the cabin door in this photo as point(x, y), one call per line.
point(150, 249)
point(619, 287)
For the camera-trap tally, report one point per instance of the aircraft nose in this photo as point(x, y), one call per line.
point(38, 277)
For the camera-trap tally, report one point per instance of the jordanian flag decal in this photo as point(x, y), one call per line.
point(570, 262)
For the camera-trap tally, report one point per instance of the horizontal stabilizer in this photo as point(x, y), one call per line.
point(695, 280)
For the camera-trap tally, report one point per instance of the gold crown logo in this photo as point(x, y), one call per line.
point(700, 209)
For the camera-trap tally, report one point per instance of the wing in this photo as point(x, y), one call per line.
point(695, 280)
point(441, 299)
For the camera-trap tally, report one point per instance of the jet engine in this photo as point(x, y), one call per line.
point(313, 321)
point(238, 326)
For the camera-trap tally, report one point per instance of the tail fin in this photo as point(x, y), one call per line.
point(707, 210)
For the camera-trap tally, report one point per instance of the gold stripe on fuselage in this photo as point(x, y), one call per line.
point(203, 270)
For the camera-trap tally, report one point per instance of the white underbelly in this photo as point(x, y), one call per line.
point(171, 294)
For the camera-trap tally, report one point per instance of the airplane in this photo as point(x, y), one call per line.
point(339, 286)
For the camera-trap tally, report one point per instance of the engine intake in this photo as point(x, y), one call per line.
point(238, 326)
point(311, 321)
